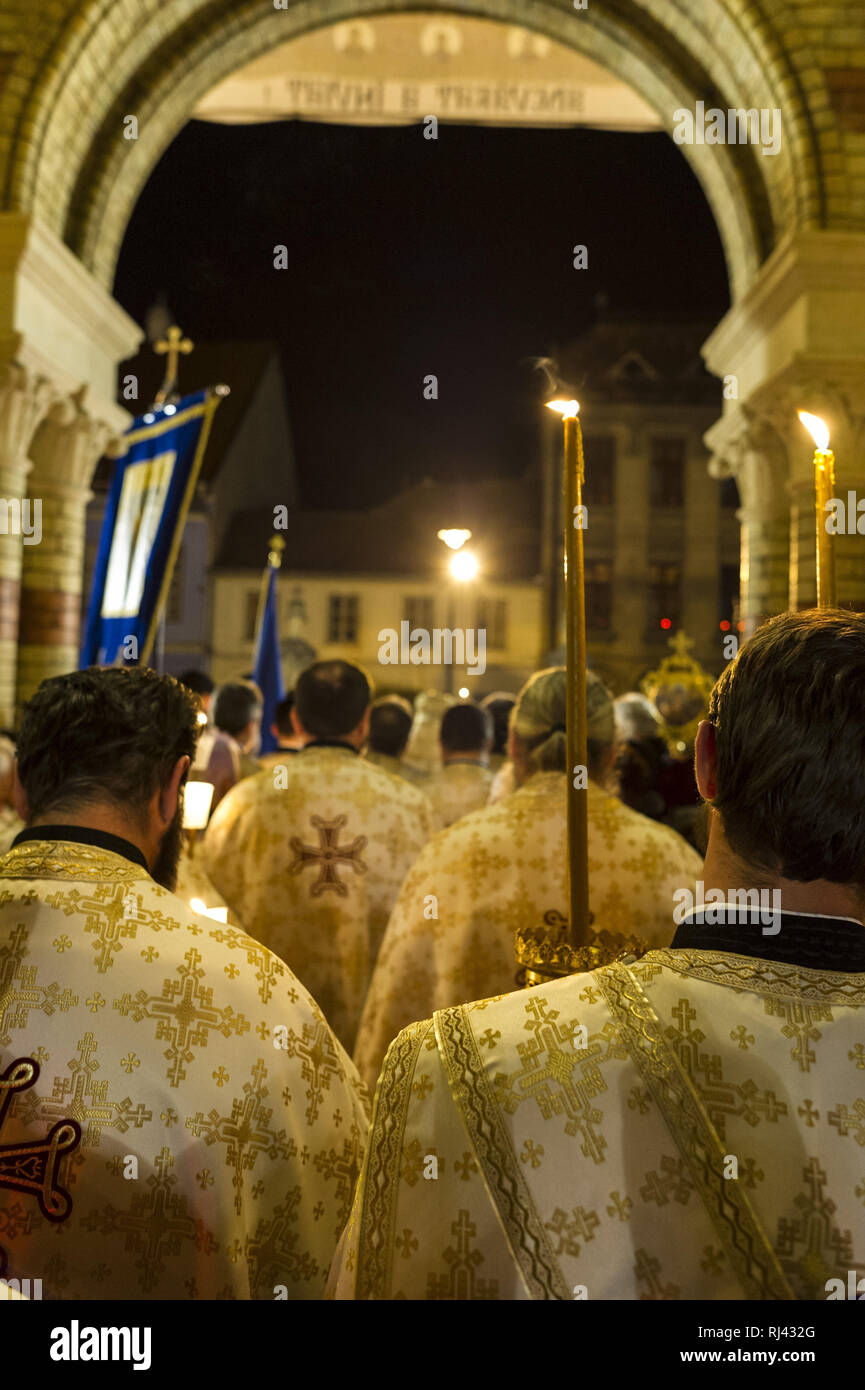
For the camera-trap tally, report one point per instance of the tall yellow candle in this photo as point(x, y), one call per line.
point(575, 638)
point(824, 488)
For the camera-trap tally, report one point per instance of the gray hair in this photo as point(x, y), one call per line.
point(538, 722)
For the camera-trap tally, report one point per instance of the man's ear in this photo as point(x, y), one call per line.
point(363, 726)
point(705, 757)
point(299, 730)
point(19, 796)
point(512, 741)
point(168, 797)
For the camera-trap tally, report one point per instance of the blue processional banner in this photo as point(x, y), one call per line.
point(148, 502)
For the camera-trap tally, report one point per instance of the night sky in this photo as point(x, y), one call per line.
point(409, 257)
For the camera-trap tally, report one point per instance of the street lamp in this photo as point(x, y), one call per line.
point(462, 567)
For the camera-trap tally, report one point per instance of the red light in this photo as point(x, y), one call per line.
point(741, 627)
point(665, 623)
point(725, 626)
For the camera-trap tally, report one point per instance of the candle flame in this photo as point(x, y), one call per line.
point(817, 428)
point(567, 409)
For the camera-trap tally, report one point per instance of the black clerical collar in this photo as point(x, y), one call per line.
point(330, 743)
point(83, 835)
point(797, 938)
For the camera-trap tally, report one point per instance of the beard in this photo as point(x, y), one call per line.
point(164, 871)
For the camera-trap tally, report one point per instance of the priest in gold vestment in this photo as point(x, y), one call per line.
point(685, 1126)
point(451, 936)
point(311, 855)
point(462, 783)
point(177, 1120)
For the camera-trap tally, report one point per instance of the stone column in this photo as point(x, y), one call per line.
point(24, 399)
point(749, 449)
point(65, 451)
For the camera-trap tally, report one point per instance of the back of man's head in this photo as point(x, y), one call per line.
point(390, 721)
point(103, 736)
point(237, 703)
point(282, 715)
point(197, 681)
point(499, 706)
point(331, 698)
point(789, 719)
point(466, 728)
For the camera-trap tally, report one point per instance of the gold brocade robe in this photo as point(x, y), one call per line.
point(500, 869)
point(457, 789)
point(312, 860)
point(216, 1155)
point(689, 1127)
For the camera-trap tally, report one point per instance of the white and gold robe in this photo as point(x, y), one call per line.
point(311, 861)
point(451, 936)
point(689, 1127)
point(208, 1127)
point(457, 789)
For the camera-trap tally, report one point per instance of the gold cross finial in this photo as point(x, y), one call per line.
point(173, 345)
point(681, 643)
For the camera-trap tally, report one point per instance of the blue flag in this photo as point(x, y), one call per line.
point(148, 502)
point(267, 672)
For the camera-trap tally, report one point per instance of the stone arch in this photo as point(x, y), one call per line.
point(71, 166)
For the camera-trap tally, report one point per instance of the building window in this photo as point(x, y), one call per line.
point(729, 494)
point(665, 598)
point(667, 473)
point(174, 602)
point(599, 595)
point(252, 598)
point(420, 612)
point(492, 618)
point(342, 624)
point(599, 489)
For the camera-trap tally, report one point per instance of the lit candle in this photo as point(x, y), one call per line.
point(824, 488)
point(575, 636)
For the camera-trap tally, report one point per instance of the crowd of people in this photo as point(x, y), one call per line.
point(207, 1075)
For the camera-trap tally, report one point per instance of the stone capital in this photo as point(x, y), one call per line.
point(25, 399)
point(67, 447)
point(744, 444)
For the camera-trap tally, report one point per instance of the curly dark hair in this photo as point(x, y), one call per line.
point(104, 734)
point(789, 717)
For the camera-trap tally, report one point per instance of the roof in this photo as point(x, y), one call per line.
point(626, 358)
point(399, 536)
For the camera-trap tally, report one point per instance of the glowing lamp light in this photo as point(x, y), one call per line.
point(463, 565)
point(170, 409)
point(741, 626)
point(202, 717)
point(463, 692)
point(148, 418)
point(724, 626)
point(454, 538)
point(197, 798)
point(665, 623)
point(817, 428)
point(567, 409)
